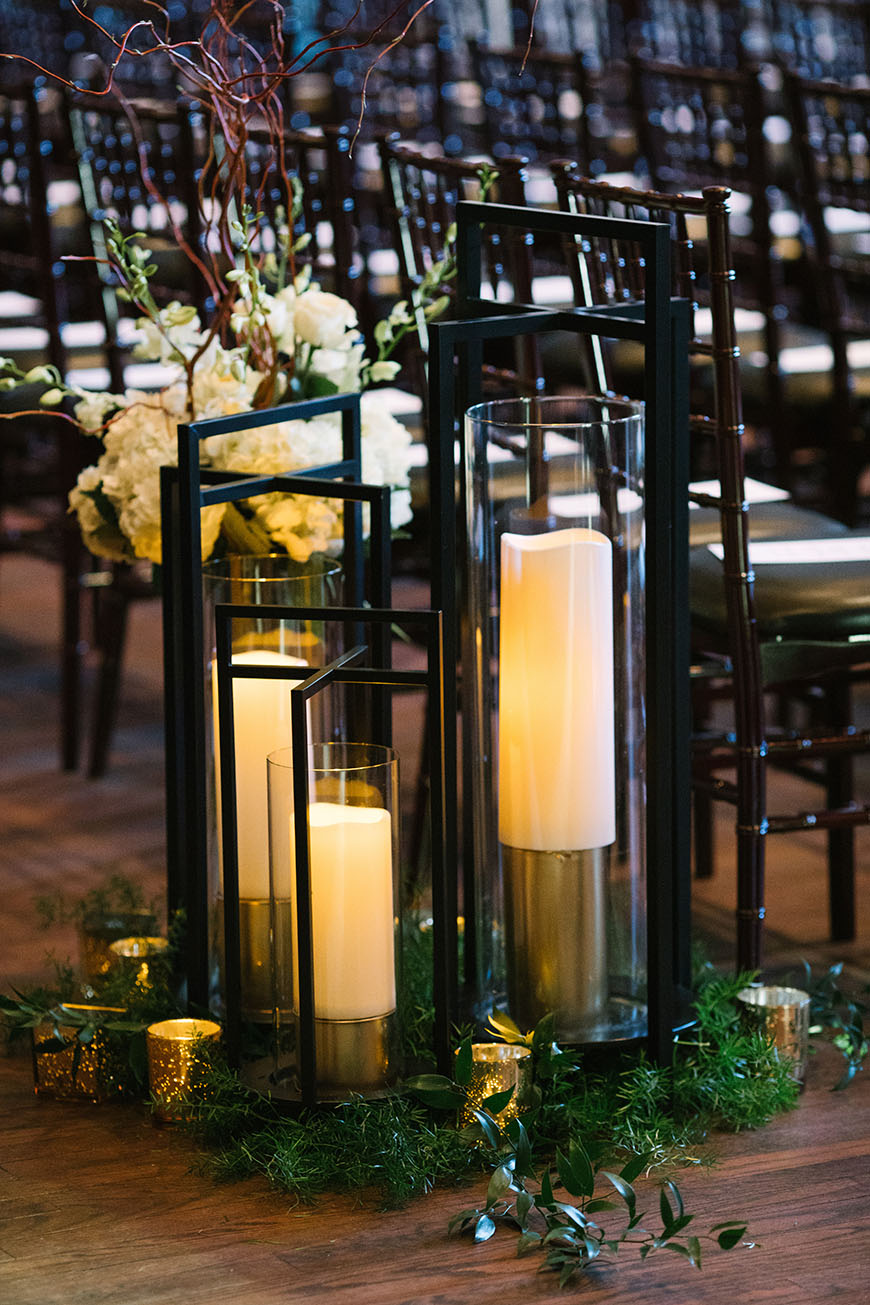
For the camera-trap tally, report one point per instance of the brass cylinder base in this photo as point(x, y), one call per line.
point(556, 938)
point(354, 1055)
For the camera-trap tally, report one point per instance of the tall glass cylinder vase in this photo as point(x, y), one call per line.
point(261, 715)
point(553, 711)
point(353, 843)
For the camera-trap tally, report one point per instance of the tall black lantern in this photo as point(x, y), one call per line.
point(572, 556)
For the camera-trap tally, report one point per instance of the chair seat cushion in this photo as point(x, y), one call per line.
point(795, 600)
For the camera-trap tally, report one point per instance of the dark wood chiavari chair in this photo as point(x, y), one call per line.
point(422, 191)
point(40, 456)
point(832, 127)
point(543, 105)
point(827, 40)
point(702, 126)
point(317, 164)
point(137, 165)
point(775, 623)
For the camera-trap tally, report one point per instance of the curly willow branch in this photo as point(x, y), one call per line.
point(237, 79)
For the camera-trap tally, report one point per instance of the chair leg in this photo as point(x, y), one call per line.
point(702, 825)
point(839, 774)
point(113, 631)
point(71, 653)
point(751, 809)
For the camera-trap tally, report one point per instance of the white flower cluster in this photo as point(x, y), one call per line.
point(299, 523)
point(118, 499)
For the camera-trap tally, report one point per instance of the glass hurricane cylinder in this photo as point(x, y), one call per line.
point(353, 842)
point(553, 712)
point(261, 720)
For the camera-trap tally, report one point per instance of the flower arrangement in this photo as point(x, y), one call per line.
point(312, 339)
point(274, 334)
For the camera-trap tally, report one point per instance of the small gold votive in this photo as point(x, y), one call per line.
point(97, 933)
point(497, 1067)
point(78, 1071)
point(133, 954)
point(783, 1016)
point(73, 1074)
point(174, 1066)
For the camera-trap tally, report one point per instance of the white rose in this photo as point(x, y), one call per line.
point(323, 319)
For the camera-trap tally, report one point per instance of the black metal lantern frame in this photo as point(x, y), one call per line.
point(661, 325)
point(343, 670)
point(185, 490)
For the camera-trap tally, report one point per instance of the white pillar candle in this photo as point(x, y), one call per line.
point(351, 868)
point(261, 724)
point(556, 777)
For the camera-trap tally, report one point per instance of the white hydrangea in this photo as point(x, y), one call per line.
point(117, 501)
point(138, 442)
point(386, 457)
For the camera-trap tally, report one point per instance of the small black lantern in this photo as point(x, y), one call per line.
point(337, 902)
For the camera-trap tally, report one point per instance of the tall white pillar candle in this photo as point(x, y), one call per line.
point(261, 723)
point(556, 775)
point(351, 869)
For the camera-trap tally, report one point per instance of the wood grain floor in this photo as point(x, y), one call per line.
point(97, 1206)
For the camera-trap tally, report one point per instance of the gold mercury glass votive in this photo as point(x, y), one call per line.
point(496, 1067)
point(782, 1015)
point(80, 1071)
point(174, 1066)
point(134, 953)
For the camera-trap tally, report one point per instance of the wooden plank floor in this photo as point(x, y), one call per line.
point(96, 1205)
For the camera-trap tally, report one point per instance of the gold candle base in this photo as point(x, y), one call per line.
point(497, 1067)
point(556, 938)
point(174, 1062)
point(354, 1055)
point(782, 1015)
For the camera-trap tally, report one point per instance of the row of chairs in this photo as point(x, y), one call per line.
point(429, 84)
point(110, 155)
point(694, 127)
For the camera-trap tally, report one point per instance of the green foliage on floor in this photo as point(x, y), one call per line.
point(399, 1147)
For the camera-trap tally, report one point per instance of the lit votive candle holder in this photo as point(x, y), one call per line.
point(175, 1063)
point(782, 1015)
point(133, 954)
point(497, 1067)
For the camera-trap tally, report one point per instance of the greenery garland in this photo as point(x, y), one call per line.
point(580, 1128)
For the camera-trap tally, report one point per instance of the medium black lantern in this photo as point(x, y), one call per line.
point(192, 844)
point(341, 918)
